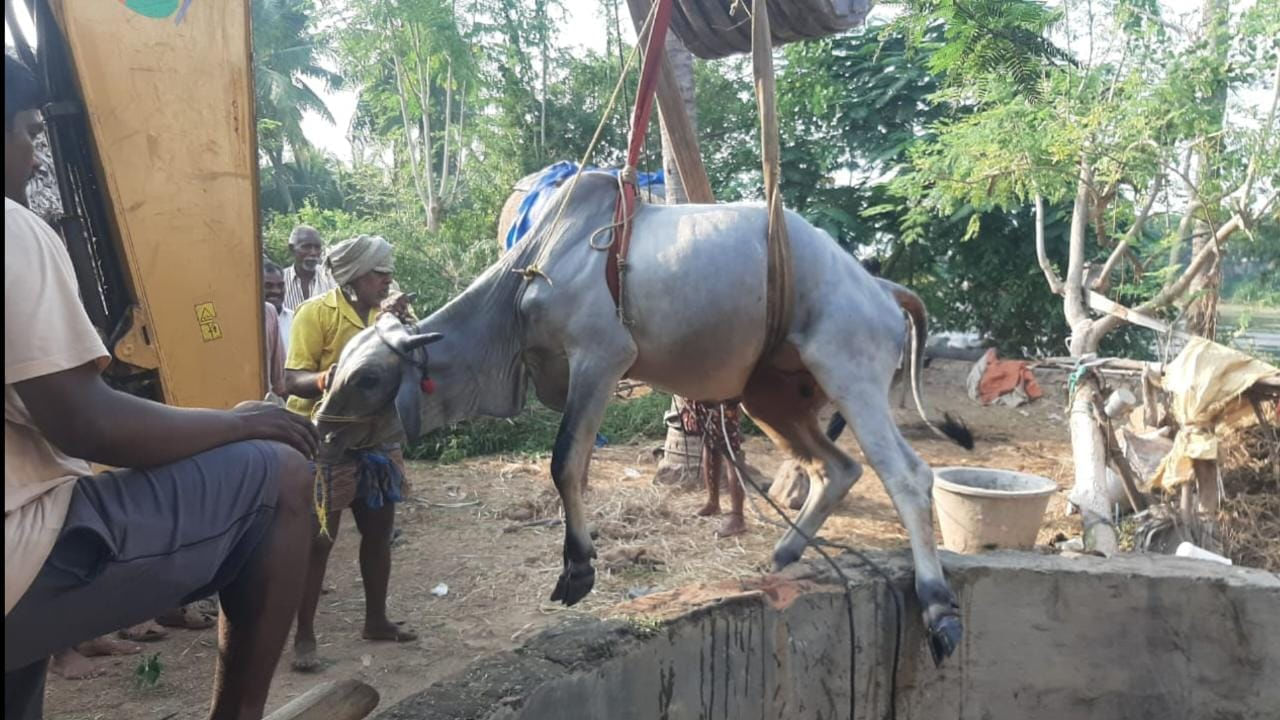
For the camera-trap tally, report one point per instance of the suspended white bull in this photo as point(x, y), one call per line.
point(695, 290)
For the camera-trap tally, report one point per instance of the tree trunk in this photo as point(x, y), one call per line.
point(282, 180)
point(1088, 447)
point(1202, 315)
point(1088, 452)
point(411, 146)
point(541, 12)
point(448, 121)
point(681, 61)
point(431, 203)
point(462, 148)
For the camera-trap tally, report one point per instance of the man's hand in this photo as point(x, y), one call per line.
point(84, 418)
point(264, 421)
point(309, 385)
point(400, 305)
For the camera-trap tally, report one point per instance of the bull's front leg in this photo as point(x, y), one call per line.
point(591, 386)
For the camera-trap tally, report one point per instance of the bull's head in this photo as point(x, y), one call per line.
point(375, 395)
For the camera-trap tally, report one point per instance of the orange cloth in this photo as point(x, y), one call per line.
point(1005, 376)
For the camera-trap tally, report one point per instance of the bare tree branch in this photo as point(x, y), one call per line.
point(1122, 250)
point(432, 205)
point(1185, 235)
point(448, 122)
point(411, 143)
point(1050, 275)
point(1267, 129)
point(1073, 290)
point(1199, 263)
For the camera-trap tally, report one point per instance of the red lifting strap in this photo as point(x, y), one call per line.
point(654, 52)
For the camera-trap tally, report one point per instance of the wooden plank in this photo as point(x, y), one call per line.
point(1103, 304)
point(347, 699)
point(170, 107)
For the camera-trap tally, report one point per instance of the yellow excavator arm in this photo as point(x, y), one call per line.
point(154, 101)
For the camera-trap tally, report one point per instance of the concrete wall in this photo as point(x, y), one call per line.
point(1046, 637)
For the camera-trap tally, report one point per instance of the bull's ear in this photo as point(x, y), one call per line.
point(409, 404)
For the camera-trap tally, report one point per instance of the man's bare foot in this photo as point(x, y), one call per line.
point(387, 631)
point(148, 631)
point(191, 617)
point(107, 646)
point(305, 659)
point(709, 509)
point(733, 524)
point(71, 665)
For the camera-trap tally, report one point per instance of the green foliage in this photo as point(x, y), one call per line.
point(1253, 277)
point(1144, 100)
point(1257, 291)
point(987, 39)
point(287, 55)
point(534, 431)
point(859, 106)
point(437, 265)
point(728, 129)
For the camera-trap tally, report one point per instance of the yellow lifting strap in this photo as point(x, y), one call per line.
point(780, 288)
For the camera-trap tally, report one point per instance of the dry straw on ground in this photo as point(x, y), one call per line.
point(1250, 516)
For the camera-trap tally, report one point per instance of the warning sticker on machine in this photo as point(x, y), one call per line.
point(207, 316)
point(210, 331)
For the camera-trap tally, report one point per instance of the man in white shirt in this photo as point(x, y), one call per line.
point(222, 502)
point(278, 320)
point(273, 285)
point(305, 278)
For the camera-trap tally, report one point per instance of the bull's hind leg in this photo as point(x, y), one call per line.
point(909, 482)
point(591, 386)
point(785, 405)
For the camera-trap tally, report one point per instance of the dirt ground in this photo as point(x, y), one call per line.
point(472, 526)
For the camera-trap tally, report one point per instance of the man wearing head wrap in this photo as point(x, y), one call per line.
point(369, 480)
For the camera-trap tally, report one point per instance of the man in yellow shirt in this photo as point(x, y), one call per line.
point(370, 480)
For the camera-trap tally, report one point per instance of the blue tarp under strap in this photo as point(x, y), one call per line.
point(378, 479)
point(547, 183)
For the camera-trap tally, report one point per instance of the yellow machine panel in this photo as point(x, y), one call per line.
point(170, 105)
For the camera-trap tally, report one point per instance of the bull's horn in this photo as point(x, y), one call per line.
point(413, 342)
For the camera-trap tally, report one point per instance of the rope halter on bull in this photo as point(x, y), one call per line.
point(370, 464)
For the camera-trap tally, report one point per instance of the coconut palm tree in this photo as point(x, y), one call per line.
point(287, 56)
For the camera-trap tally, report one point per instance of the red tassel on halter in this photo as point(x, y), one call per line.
point(428, 385)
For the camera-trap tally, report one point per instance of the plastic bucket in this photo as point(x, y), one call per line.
point(986, 509)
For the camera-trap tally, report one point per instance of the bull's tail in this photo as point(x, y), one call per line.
point(952, 428)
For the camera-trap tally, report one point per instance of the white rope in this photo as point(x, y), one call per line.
point(535, 270)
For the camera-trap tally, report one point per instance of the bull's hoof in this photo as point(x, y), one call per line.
point(575, 582)
point(784, 556)
point(944, 637)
